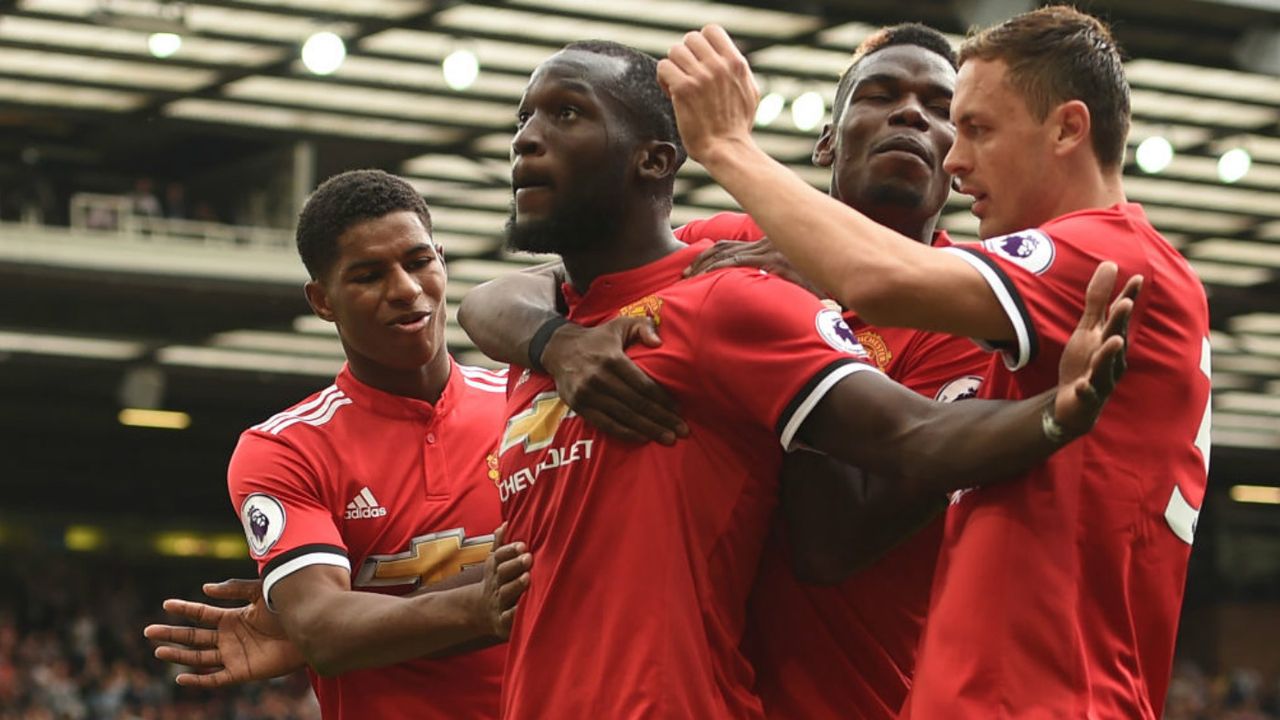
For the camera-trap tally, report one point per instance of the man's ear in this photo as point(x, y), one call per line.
point(657, 160)
point(824, 152)
point(1071, 127)
point(318, 299)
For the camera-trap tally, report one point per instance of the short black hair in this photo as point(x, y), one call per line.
point(345, 200)
point(639, 92)
point(916, 34)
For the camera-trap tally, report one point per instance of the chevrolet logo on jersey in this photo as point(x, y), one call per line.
point(430, 558)
point(536, 425)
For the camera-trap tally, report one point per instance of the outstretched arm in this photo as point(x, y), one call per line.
point(336, 629)
point(880, 426)
point(886, 277)
point(592, 371)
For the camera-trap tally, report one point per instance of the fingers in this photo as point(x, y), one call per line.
point(719, 39)
point(199, 613)
point(612, 427)
point(1102, 372)
point(633, 416)
point(182, 634)
point(711, 255)
point(499, 534)
point(699, 45)
point(206, 658)
point(210, 681)
point(234, 589)
point(1098, 293)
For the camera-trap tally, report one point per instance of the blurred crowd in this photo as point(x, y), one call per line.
point(71, 648)
point(1241, 694)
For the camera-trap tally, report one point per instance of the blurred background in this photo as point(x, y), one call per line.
point(153, 156)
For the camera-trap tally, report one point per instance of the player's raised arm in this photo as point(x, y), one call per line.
point(882, 427)
point(885, 277)
point(515, 319)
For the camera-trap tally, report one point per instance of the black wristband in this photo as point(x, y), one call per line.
point(538, 344)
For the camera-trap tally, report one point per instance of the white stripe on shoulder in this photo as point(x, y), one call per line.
point(1021, 355)
point(480, 373)
point(820, 390)
point(485, 386)
point(296, 564)
point(321, 398)
point(294, 417)
point(318, 418)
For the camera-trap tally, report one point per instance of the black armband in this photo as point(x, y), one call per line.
point(538, 344)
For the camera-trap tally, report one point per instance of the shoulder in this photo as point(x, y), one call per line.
point(317, 411)
point(721, 226)
point(483, 380)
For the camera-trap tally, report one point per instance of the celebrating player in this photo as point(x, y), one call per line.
point(376, 486)
point(654, 547)
point(1057, 595)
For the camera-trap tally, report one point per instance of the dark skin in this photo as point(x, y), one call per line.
point(385, 292)
point(864, 419)
point(886, 158)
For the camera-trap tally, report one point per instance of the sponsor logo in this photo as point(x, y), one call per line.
point(961, 388)
point(650, 305)
point(364, 506)
point(263, 518)
point(430, 558)
point(837, 333)
point(1030, 249)
point(556, 457)
point(874, 344)
point(535, 426)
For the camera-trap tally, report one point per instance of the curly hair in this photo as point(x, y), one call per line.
point(905, 34)
point(345, 200)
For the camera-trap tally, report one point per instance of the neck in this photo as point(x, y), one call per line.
point(906, 221)
point(1087, 187)
point(643, 237)
point(426, 382)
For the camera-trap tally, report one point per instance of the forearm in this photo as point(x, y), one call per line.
point(343, 631)
point(930, 447)
point(843, 251)
point(887, 278)
point(501, 316)
point(840, 520)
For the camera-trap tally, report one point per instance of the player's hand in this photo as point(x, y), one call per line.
point(712, 90)
point(232, 645)
point(506, 577)
point(595, 377)
point(1094, 357)
point(759, 254)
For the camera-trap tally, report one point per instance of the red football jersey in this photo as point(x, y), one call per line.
point(399, 492)
point(644, 554)
point(1057, 594)
point(849, 650)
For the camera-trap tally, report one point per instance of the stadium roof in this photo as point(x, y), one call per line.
point(80, 81)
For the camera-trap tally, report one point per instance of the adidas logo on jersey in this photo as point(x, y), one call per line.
point(364, 506)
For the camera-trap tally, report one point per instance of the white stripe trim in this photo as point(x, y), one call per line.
point(476, 372)
point(1182, 518)
point(819, 391)
point(368, 496)
point(1020, 330)
point(293, 417)
point(296, 564)
point(486, 387)
point(279, 417)
point(316, 419)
